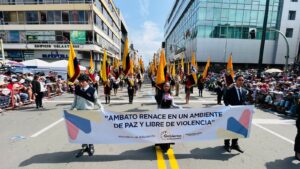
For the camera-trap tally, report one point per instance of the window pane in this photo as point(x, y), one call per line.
point(10, 17)
point(32, 17)
point(50, 17)
point(21, 17)
point(65, 17)
point(57, 17)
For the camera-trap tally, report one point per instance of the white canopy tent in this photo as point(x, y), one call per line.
point(37, 63)
point(63, 64)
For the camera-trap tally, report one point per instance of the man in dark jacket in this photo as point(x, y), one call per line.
point(36, 90)
point(235, 96)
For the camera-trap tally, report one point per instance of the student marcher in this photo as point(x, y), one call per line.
point(235, 95)
point(166, 102)
point(86, 98)
point(131, 87)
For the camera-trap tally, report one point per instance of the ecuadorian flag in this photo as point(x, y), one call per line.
point(73, 65)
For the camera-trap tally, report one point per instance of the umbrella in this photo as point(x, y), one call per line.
point(273, 70)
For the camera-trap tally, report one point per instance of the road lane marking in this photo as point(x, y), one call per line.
point(274, 121)
point(135, 101)
point(47, 128)
point(172, 159)
point(275, 134)
point(161, 164)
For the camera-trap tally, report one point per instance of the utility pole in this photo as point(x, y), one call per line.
point(263, 39)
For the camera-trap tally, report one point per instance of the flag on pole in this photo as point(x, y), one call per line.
point(131, 67)
point(92, 69)
point(173, 71)
point(229, 71)
point(160, 77)
point(73, 65)
point(126, 59)
point(103, 68)
point(205, 72)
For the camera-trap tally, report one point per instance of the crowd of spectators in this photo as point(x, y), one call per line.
point(278, 92)
point(16, 88)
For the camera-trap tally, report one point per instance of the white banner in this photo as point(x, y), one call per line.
point(161, 126)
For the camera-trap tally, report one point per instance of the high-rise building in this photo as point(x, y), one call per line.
point(43, 29)
point(217, 28)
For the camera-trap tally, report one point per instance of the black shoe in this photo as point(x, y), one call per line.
point(91, 150)
point(297, 156)
point(165, 147)
point(227, 148)
point(237, 148)
point(81, 152)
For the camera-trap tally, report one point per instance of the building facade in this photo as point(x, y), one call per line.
point(43, 29)
point(217, 28)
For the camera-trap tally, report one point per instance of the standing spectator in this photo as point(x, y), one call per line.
point(200, 86)
point(36, 90)
point(219, 91)
point(107, 89)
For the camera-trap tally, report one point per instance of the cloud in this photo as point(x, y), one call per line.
point(147, 40)
point(144, 7)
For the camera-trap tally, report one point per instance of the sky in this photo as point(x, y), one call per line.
point(145, 20)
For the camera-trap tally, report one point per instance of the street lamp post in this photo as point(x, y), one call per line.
point(287, 48)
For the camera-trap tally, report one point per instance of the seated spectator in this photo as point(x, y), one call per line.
point(268, 100)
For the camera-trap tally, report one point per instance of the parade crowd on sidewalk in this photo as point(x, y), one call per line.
point(19, 89)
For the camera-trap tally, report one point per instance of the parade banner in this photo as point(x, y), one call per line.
point(161, 126)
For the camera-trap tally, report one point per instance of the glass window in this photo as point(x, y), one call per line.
point(1, 18)
point(43, 17)
point(50, 17)
point(10, 17)
point(210, 14)
point(245, 33)
point(292, 15)
point(261, 15)
point(32, 17)
point(202, 12)
point(232, 13)
point(57, 17)
point(74, 17)
point(289, 32)
point(81, 17)
point(21, 17)
point(14, 36)
point(201, 31)
point(65, 17)
point(208, 31)
point(246, 16)
point(217, 14)
point(254, 16)
point(239, 16)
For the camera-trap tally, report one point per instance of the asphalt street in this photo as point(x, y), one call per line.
point(37, 139)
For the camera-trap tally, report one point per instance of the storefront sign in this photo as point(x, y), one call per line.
point(55, 55)
point(53, 46)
